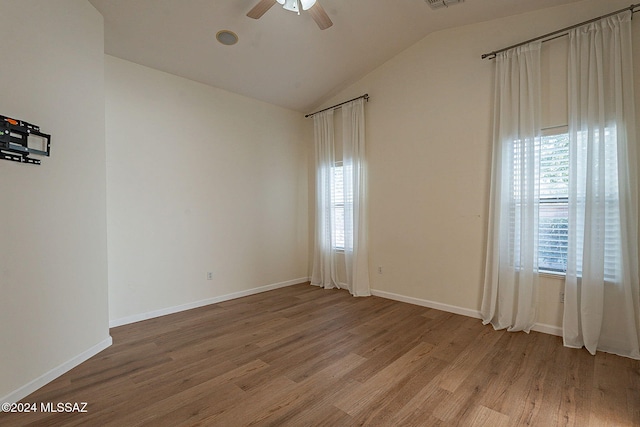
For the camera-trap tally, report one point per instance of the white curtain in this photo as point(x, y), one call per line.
point(355, 208)
point(325, 254)
point(601, 310)
point(511, 273)
point(354, 226)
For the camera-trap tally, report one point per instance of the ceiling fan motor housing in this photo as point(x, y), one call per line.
point(437, 4)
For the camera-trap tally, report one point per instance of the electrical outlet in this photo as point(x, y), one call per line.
point(209, 275)
point(561, 297)
point(379, 270)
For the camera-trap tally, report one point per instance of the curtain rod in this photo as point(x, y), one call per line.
point(365, 96)
point(493, 54)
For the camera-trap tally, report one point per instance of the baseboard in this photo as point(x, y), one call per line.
point(189, 306)
point(538, 327)
point(547, 329)
point(42, 380)
point(426, 303)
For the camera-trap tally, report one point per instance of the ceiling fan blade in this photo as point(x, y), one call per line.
point(261, 8)
point(320, 16)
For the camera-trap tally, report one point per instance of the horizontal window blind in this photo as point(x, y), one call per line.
point(553, 220)
point(337, 206)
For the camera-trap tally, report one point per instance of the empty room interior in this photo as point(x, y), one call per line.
point(279, 212)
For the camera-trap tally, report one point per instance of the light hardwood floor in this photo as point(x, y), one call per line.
point(303, 356)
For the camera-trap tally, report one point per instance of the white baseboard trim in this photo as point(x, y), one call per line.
point(27, 389)
point(191, 305)
point(547, 329)
point(426, 303)
point(538, 327)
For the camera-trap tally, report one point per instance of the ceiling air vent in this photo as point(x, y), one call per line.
point(437, 4)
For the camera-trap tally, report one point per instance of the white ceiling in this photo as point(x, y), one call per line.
point(282, 58)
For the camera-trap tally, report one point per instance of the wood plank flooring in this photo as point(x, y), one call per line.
point(303, 356)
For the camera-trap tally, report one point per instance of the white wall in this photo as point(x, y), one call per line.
point(53, 253)
point(429, 150)
point(198, 180)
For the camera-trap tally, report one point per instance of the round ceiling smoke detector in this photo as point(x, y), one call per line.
point(227, 37)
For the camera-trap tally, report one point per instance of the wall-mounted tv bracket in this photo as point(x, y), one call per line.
point(18, 139)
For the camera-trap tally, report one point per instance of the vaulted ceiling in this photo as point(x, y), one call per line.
point(282, 58)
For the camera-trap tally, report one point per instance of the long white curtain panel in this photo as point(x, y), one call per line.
point(355, 190)
point(601, 310)
point(325, 257)
point(511, 275)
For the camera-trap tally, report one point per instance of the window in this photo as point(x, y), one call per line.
point(553, 209)
point(601, 195)
point(553, 212)
point(337, 206)
point(548, 156)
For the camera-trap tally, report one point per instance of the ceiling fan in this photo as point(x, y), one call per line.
point(315, 10)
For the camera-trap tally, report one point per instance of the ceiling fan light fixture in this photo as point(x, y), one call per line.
point(307, 4)
point(291, 5)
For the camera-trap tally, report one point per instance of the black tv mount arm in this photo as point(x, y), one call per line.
point(18, 139)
